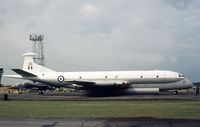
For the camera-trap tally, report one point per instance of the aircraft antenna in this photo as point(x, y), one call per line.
point(38, 48)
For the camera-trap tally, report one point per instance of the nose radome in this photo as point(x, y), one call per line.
point(188, 82)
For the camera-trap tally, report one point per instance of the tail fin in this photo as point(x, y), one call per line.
point(32, 67)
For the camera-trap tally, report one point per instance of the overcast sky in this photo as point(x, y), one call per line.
point(90, 35)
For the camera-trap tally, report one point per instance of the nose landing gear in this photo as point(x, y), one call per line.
point(176, 92)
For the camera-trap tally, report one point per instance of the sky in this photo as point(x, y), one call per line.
point(100, 35)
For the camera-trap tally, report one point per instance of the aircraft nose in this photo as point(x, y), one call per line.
point(188, 83)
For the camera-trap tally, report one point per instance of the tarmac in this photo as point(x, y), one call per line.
point(108, 122)
point(81, 97)
point(117, 122)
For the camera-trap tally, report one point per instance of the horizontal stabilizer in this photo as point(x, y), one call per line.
point(24, 73)
point(14, 76)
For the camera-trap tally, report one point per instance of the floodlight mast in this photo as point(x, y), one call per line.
point(38, 48)
point(1, 72)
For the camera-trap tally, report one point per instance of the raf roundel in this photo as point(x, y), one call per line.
point(61, 78)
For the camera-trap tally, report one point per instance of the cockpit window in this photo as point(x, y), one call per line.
point(180, 75)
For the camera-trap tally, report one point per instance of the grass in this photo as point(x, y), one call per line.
point(99, 109)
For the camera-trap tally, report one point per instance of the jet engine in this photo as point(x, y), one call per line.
point(142, 90)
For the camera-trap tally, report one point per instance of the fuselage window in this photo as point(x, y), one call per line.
point(106, 76)
point(157, 76)
point(80, 77)
point(141, 76)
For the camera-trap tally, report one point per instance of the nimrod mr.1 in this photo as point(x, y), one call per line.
point(101, 82)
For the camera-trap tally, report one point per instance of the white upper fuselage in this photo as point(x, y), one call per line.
point(130, 76)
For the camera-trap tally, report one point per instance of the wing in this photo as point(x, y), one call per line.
point(100, 84)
